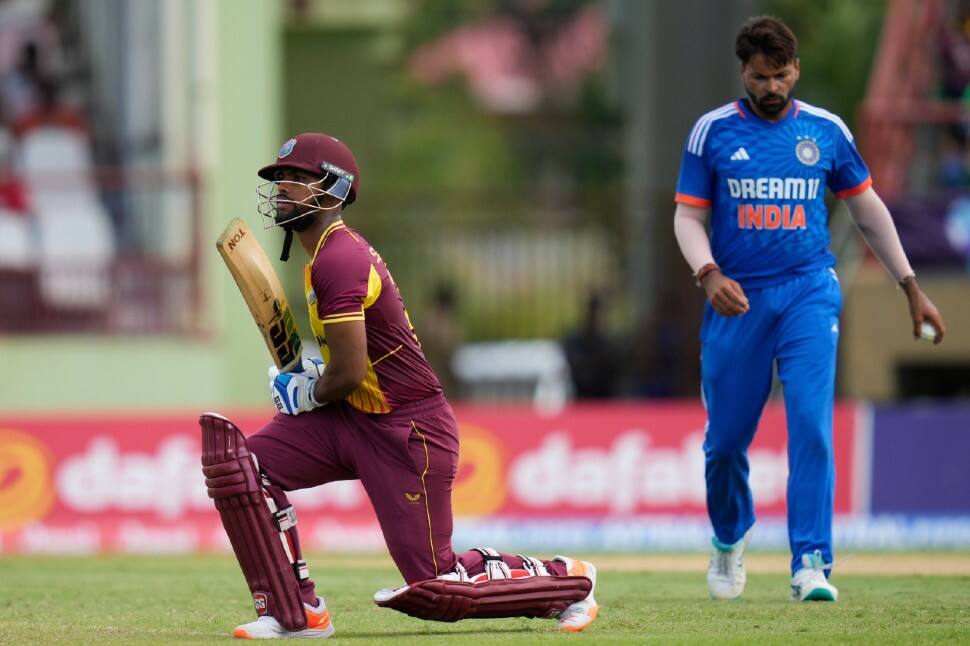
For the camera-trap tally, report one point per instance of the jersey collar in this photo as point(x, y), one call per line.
point(747, 113)
point(339, 224)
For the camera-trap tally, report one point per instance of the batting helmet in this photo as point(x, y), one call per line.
point(319, 154)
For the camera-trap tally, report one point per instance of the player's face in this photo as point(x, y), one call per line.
point(768, 85)
point(297, 193)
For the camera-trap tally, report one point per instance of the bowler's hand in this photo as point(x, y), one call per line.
point(726, 296)
point(921, 309)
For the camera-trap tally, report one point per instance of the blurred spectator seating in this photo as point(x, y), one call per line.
point(523, 370)
point(18, 259)
point(75, 241)
point(15, 234)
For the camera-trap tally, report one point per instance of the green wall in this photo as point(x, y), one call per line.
point(227, 364)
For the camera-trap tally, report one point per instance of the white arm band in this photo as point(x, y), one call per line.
point(692, 236)
point(876, 224)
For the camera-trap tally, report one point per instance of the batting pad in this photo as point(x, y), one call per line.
point(443, 600)
point(255, 531)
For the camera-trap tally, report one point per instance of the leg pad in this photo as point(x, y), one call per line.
point(255, 528)
point(444, 600)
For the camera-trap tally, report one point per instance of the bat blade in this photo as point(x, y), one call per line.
point(263, 293)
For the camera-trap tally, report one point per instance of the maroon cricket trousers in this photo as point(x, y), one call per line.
point(406, 460)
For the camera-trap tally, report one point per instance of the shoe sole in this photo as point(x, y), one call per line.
point(734, 598)
point(593, 612)
point(724, 597)
point(819, 594)
point(311, 633)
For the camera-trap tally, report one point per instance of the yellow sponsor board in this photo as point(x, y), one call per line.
point(480, 488)
point(26, 486)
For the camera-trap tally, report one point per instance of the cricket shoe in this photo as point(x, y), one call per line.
point(809, 583)
point(318, 626)
point(579, 615)
point(725, 575)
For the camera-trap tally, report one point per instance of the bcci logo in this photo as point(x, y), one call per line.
point(807, 151)
point(287, 148)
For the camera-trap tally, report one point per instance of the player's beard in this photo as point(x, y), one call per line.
point(299, 218)
point(771, 108)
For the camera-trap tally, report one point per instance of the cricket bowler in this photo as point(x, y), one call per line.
point(760, 166)
point(372, 410)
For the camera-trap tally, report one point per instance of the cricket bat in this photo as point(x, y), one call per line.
point(263, 293)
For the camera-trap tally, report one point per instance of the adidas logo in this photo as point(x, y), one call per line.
point(740, 154)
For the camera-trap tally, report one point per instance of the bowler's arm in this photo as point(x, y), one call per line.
point(726, 296)
point(876, 224)
point(692, 236)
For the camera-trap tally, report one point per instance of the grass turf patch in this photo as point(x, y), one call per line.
point(199, 599)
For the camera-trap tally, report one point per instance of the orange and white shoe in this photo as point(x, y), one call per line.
point(318, 626)
point(581, 614)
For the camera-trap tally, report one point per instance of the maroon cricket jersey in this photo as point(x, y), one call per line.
point(347, 281)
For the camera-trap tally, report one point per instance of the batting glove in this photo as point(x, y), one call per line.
point(292, 392)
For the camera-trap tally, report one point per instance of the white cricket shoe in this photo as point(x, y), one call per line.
point(318, 626)
point(809, 583)
point(581, 614)
point(725, 575)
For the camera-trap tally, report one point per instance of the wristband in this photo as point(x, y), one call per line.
point(704, 271)
point(313, 398)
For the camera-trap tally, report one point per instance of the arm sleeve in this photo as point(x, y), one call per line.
point(876, 224)
point(694, 182)
point(850, 175)
point(692, 236)
point(340, 281)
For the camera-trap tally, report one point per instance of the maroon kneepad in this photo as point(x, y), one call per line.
point(534, 596)
point(233, 482)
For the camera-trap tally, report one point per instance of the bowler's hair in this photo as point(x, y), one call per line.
point(768, 36)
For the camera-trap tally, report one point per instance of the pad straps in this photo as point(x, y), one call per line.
point(533, 566)
point(495, 567)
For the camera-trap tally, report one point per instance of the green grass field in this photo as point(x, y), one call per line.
point(198, 600)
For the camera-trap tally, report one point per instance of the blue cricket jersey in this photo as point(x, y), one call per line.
point(765, 185)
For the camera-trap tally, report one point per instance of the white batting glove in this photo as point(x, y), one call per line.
point(292, 392)
point(313, 367)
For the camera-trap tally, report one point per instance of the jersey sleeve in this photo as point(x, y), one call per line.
point(340, 280)
point(695, 180)
point(850, 175)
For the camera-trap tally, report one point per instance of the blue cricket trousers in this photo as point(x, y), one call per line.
point(796, 324)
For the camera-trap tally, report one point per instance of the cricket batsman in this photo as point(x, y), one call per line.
point(372, 410)
point(760, 165)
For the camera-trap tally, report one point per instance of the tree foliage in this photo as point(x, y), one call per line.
point(837, 42)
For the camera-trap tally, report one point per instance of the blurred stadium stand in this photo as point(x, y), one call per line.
point(93, 239)
point(527, 185)
point(504, 371)
point(914, 134)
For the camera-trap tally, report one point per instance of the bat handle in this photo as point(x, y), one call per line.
point(293, 366)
